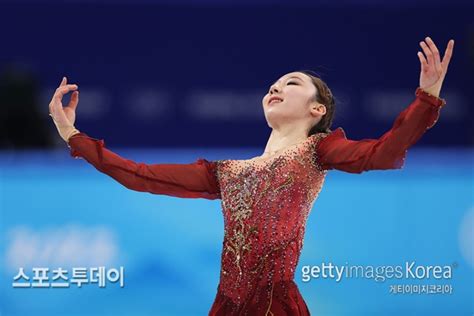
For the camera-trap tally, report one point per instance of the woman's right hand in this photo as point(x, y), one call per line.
point(64, 118)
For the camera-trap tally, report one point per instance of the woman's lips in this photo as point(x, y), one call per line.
point(275, 99)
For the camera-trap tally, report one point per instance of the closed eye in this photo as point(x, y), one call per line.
point(289, 82)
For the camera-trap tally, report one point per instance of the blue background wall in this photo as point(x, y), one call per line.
point(60, 212)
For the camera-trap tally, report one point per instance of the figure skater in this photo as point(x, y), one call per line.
point(266, 199)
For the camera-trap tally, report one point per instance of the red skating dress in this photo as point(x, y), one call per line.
point(266, 203)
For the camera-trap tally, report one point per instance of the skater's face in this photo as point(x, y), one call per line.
point(296, 101)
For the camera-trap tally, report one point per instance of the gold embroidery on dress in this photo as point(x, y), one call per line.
point(241, 194)
point(271, 298)
point(237, 243)
point(241, 209)
point(287, 183)
point(262, 196)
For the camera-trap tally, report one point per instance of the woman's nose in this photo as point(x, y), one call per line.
point(273, 89)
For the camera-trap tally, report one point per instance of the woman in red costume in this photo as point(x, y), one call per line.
point(266, 200)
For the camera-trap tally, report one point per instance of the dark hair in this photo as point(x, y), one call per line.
point(324, 96)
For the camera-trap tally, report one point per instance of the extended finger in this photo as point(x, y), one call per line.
point(423, 61)
point(427, 52)
point(63, 82)
point(447, 55)
point(435, 51)
point(62, 90)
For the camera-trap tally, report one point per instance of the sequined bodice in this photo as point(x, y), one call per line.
point(265, 206)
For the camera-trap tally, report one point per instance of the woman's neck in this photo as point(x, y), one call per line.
point(280, 140)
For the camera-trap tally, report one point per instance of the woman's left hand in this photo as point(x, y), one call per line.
point(433, 70)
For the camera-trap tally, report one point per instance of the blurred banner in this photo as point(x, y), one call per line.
point(199, 73)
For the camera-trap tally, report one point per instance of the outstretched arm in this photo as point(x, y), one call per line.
point(194, 180)
point(335, 151)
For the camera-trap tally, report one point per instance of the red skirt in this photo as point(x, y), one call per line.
point(282, 299)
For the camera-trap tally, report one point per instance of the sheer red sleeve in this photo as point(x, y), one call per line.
point(335, 151)
point(194, 180)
